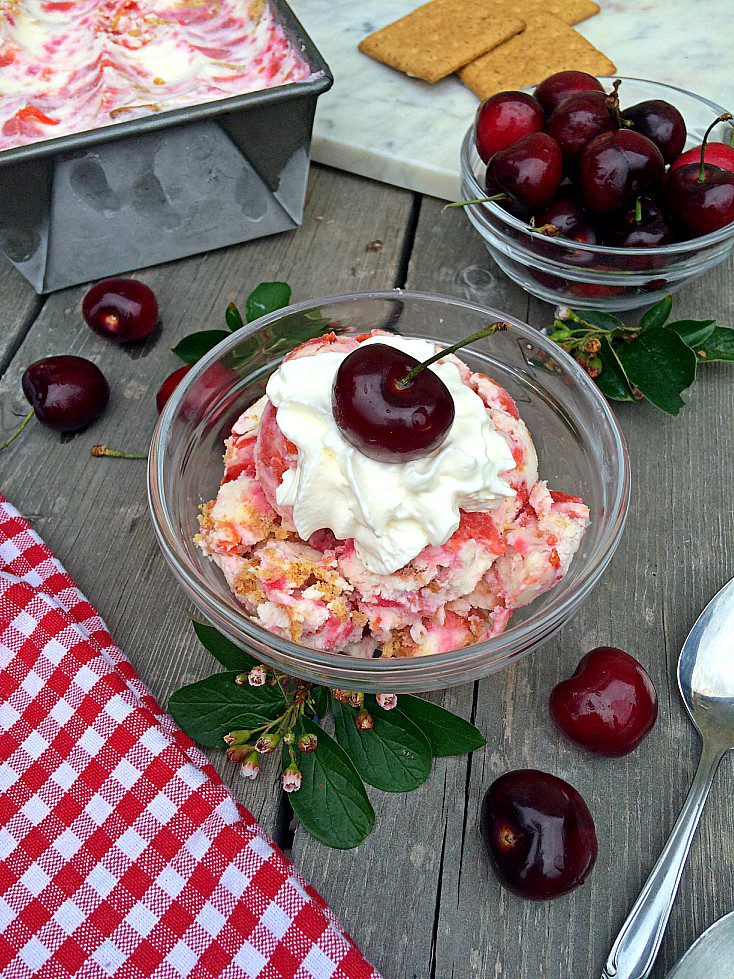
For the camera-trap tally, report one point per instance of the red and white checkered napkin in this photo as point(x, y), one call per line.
point(122, 853)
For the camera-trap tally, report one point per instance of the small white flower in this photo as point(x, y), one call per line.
point(266, 744)
point(387, 700)
point(291, 779)
point(257, 676)
point(563, 313)
point(251, 766)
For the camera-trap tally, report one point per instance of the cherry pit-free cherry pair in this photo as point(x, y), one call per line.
point(67, 393)
point(537, 828)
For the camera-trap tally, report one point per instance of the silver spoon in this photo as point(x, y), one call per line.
point(712, 954)
point(706, 683)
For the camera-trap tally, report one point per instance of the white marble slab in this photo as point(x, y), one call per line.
point(379, 123)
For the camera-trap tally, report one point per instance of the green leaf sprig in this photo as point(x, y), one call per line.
point(656, 359)
point(265, 298)
point(385, 741)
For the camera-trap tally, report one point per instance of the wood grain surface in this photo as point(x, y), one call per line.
point(418, 895)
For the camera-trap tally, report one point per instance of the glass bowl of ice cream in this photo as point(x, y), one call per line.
point(398, 574)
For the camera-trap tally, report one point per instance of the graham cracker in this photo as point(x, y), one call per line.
point(547, 45)
point(569, 11)
point(440, 37)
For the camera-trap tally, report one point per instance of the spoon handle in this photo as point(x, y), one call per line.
point(635, 950)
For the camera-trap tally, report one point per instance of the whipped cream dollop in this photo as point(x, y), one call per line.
point(392, 510)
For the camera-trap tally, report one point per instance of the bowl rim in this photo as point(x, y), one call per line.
point(500, 649)
point(693, 244)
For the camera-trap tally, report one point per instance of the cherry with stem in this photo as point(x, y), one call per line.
point(389, 406)
point(724, 117)
point(66, 393)
point(701, 195)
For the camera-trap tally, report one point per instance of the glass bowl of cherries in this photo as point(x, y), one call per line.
point(601, 193)
point(580, 450)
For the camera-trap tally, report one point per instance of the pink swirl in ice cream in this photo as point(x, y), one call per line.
point(71, 65)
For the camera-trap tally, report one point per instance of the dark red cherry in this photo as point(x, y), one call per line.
point(504, 119)
point(66, 393)
point(700, 199)
point(616, 168)
point(700, 196)
point(169, 386)
point(521, 211)
point(565, 218)
point(609, 704)
point(662, 123)
point(643, 225)
point(518, 210)
point(570, 220)
point(551, 92)
point(124, 310)
point(383, 420)
point(718, 154)
point(529, 171)
point(578, 119)
point(539, 833)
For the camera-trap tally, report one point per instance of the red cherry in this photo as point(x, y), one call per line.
point(616, 168)
point(717, 154)
point(644, 225)
point(504, 119)
point(521, 211)
point(568, 217)
point(169, 386)
point(551, 92)
point(66, 393)
point(578, 119)
point(609, 704)
point(529, 171)
point(570, 221)
point(700, 198)
point(124, 310)
point(662, 123)
point(539, 833)
point(383, 420)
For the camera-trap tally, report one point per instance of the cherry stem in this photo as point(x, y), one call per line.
point(405, 382)
point(100, 451)
point(613, 105)
point(724, 117)
point(638, 211)
point(477, 200)
point(17, 432)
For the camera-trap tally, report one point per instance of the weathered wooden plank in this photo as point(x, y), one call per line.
point(19, 306)
point(93, 513)
point(388, 890)
point(677, 551)
point(419, 894)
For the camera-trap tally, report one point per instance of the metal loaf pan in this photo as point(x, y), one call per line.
point(154, 189)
